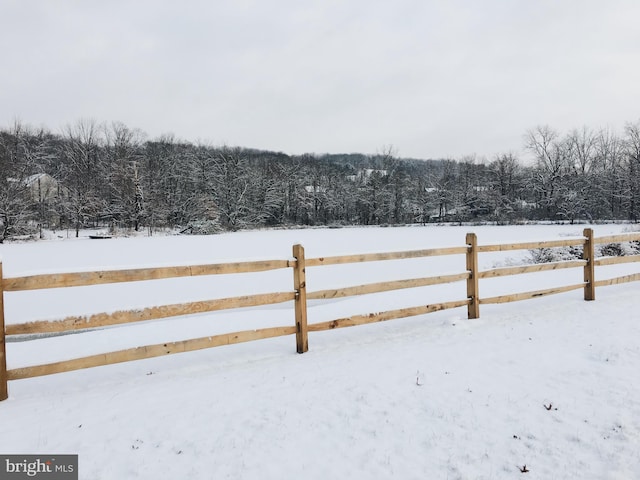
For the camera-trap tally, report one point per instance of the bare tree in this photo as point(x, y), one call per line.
point(551, 154)
point(123, 163)
point(632, 167)
point(231, 181)
point(505, 183)
point(14, 170)
point(582, 145)
point(80, 153)
point(609, 173)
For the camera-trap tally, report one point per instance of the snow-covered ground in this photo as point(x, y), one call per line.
point(549, 383)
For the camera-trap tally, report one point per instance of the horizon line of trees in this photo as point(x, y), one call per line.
point(110, 175)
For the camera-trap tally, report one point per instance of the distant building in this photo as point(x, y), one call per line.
point(365, 174)
point(43, 187)
point(315, 189)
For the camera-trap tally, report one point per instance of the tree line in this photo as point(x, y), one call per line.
point(94, 174)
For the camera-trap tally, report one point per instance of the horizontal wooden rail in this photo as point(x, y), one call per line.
point(615, 281)
point(82, 279)
point(385, 286)
point(617, 260)
point(383, 316)
point(149, 351)
point(624, 237)
point(531, 245)
point(539, 267)
point(142, 315)
point(514, 297)
point(377, 257)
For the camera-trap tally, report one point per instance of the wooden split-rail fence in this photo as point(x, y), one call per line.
point(299, 295)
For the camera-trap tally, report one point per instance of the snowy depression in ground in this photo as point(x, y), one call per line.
point(537, 389)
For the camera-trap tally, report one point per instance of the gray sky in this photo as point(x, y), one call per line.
point(432, 78)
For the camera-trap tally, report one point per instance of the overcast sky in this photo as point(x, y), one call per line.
point(432, 78)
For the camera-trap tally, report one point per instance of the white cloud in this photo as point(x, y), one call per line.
point(434, 78)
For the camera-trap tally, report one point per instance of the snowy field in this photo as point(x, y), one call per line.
point(550, 384)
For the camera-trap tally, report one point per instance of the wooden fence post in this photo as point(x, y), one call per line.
point(588, 254)
point(300, 286)
point(473, 309)
point(4, 391)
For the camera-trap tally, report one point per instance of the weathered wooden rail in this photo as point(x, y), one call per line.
point(298, 295)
